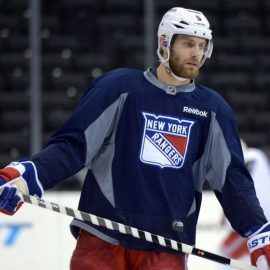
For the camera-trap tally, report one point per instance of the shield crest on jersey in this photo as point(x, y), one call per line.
point(165, 140)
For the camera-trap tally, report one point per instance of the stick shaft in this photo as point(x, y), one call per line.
point(147, 236)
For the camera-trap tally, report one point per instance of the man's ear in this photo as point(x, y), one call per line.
point(164, 41)
point(163, 45)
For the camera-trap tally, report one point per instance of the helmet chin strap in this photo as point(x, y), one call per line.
point(165, 62)
point(168, 69)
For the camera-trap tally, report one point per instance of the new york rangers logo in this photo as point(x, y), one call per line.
point(165, 140)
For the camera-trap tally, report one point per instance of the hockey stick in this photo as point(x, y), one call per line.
point(157, 239)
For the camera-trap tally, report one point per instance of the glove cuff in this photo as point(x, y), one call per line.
point(8, 174)
point(258, 241)
point(27, 173)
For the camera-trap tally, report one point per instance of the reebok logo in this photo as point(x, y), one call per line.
point(195, 111)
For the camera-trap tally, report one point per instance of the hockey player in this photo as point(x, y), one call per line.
point(149, 140)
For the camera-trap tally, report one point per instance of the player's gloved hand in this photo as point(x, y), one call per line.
point(10, 200)
point(16, 178)
point(259, 246)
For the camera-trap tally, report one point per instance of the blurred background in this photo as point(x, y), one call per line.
point(78, 40)
point(51, 50)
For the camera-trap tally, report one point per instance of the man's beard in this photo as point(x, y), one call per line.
point(180, 70)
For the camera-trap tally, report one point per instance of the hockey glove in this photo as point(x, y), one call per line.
point(259, 246)
point(16, 178)
point(10, 200)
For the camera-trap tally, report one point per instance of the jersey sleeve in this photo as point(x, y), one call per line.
point(259, 168)
point(228, 176)
point(76, 143)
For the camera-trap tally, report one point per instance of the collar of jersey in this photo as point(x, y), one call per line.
point(179, 89)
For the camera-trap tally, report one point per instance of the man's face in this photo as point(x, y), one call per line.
point(186, 54)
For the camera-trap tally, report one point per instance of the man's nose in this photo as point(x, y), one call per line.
point(197, 50)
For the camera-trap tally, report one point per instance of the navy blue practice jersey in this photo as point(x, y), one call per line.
point(149, 148)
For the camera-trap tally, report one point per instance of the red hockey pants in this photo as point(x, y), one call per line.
point(92, 253)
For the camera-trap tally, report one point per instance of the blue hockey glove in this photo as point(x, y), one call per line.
point(259, 246)
point(16, 178)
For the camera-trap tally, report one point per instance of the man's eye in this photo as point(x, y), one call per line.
point(188, 44)
point(202, 46)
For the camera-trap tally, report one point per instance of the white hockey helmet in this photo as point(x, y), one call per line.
point(183, 21)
